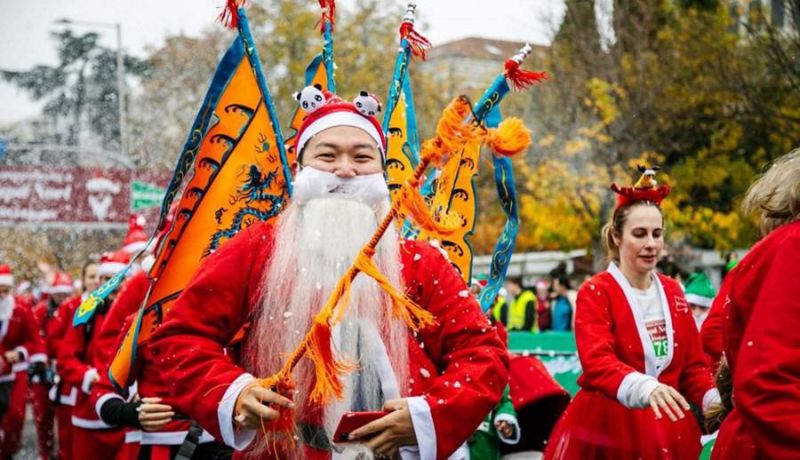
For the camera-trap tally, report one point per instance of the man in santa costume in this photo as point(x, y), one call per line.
point(762, 319)
point(19, 338)
point(91, 437)
point(438, 384)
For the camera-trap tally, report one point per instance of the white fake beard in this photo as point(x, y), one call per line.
point(314, 246)
point(6, 307)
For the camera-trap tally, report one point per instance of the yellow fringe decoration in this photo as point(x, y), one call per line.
point(415, 317)
point(410, 204)
point(510, 138)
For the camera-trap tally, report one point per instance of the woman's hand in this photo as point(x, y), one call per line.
point(152, 415)
point(387, 434)
point(667, 399)
point(252, 407)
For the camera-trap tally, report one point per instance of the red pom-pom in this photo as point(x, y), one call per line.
point(521, 78)
point(419, 44)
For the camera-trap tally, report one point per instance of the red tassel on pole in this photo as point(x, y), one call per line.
point(416, 42)
point(419, 45)
point(521, 78)
point(328, 13)
point(229, 16)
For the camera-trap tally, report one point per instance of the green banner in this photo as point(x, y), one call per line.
point(145, 196)
point(556, 350)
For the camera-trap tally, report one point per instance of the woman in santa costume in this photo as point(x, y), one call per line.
point(638, 346)
point(91, 437)
point(62, 394)
point(762, 319)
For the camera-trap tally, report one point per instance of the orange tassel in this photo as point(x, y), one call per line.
point(415, 317)
point(510, 138)
point(411, 205)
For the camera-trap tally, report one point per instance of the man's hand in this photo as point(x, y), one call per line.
point(667, 399)
point(505, 429)
point(152, 415)
point(386, 435)
point(12, 356)
point(252, 407)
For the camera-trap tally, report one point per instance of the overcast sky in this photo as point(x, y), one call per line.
point(25, 27)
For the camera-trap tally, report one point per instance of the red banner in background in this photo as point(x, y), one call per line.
point(72, 196)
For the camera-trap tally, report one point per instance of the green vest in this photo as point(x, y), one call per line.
point(518, 312)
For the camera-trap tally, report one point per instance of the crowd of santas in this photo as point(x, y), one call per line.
point(54, 366)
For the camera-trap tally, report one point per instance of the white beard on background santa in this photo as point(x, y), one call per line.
point(441, 381)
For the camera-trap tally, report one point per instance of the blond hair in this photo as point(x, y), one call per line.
point(776, 194)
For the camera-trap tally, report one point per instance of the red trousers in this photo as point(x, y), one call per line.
point(97, 444)
point(64, 424)
point(14, 418)
point(43, 418)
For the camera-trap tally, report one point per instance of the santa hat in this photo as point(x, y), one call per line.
point(136, 239)
point(112, 263)
point(6, 278)
point(62, 284)
point(645, 190)
point(699, 290)
point(326, 110)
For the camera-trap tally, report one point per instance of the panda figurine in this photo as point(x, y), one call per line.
point(368, 104)
point(310, 98)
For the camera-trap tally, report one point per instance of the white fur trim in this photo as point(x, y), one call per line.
point(342, 118)
point(7, 280)
point(634, 390)
point(699, 300)
point(711, 397)
point(110, 268)
point(69, 400)
point(24, 351)
point(19, 367)
point(102, 400)
point(38, 358)
point(89, 424)
point(136, 246)
point(133, 437)
point(5, 378)
point(171, 438)
point(513, 421)
point(644, 337)
point(59, 289)
point(422, 421)
point(238, 438)
point(88, 378)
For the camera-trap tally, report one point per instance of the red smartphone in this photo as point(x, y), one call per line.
point(352, 421)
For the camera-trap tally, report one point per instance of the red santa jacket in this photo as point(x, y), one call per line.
point(612, 342)
point(711, 333)
point(18, 333)
point(459, 367)
point(76, 366)
point(762, 344)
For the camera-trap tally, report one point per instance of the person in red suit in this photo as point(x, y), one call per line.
point(41, 377)
point(91, 437)
point(438, 384)
point(638, 346)
point(19, 339)
point(62, 394)
point(762, 319)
